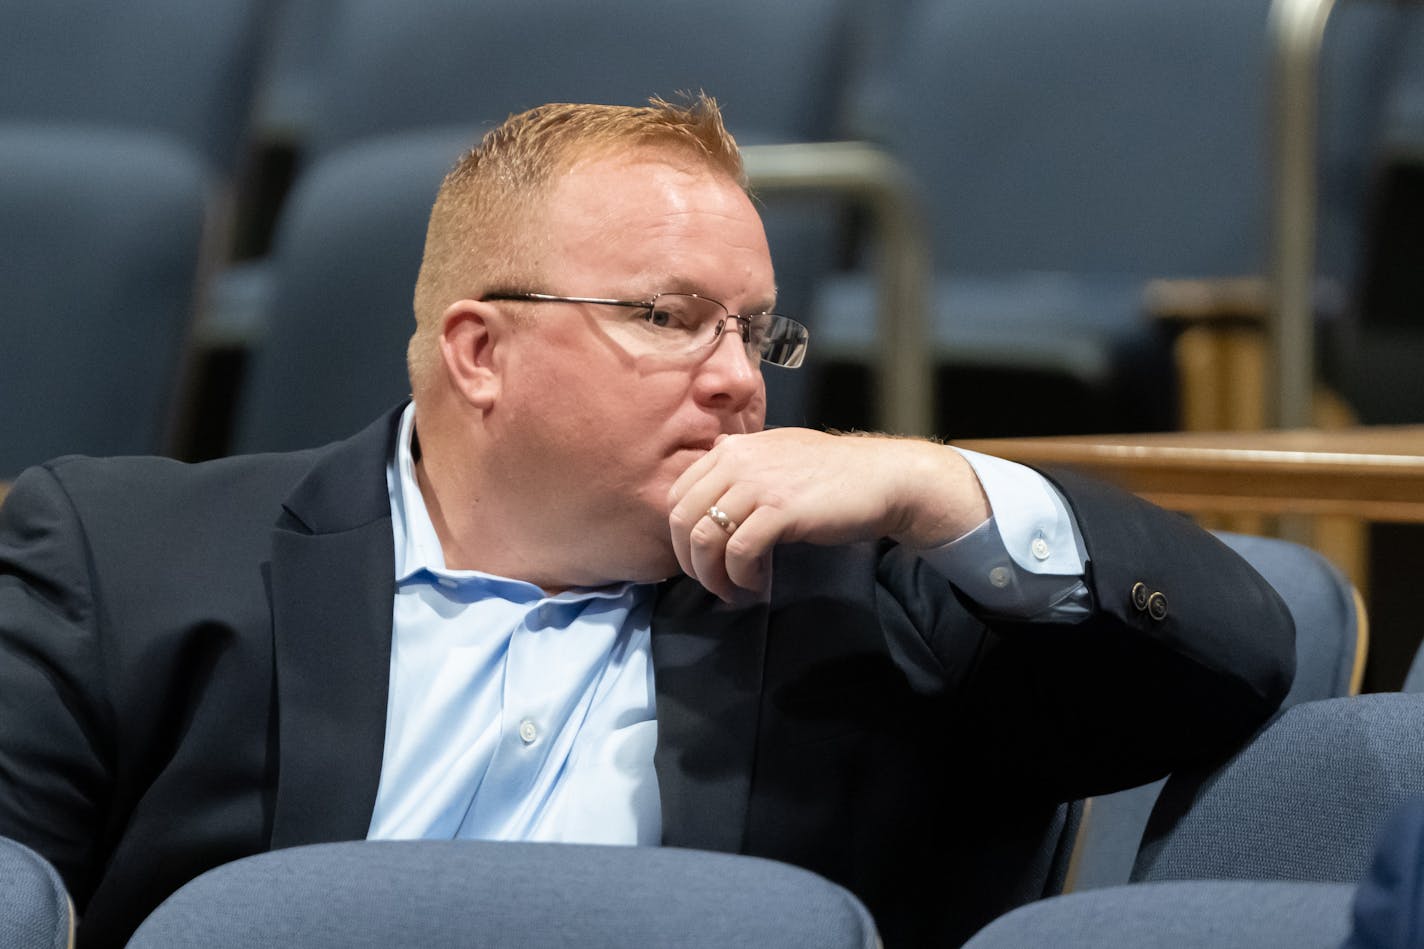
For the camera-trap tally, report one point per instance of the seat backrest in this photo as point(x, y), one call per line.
point(1414, 678)
point(100, 261)
point(1331, 639)
point(1106, 137)
point(35, 912)
point(171, 66)
point(478, 893)
point(345, 258)
point(1304, 800)
point(777, 68)
point(1331, 625)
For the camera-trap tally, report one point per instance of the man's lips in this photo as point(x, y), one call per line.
point(706, 440)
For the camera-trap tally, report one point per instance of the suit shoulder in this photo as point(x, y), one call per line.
point(145, 474)
point(163, 487)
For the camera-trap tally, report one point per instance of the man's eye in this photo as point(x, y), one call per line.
point(670, 318)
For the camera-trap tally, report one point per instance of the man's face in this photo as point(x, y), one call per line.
point(596, 433)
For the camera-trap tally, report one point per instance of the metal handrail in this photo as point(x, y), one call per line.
point(868, 176)
point(1297, 31)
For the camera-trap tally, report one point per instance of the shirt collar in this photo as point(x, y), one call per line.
point(417, 546)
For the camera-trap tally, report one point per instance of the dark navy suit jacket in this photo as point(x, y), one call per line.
point(194, 663)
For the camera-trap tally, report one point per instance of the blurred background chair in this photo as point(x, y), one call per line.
point(475, 893)
point(1066, 157)
point(185, 70)
point(1376, 365)
point(1332, 639)
point(35, 912)
point(1196, 914)
point(1304, 800)
point(168, 76)
point(342, 272)
point(1414, 677)
point(101, 263)
point(778, 70)
point(1384, 908)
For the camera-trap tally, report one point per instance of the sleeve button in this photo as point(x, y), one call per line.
point(1140, 596)
point(1157, 606)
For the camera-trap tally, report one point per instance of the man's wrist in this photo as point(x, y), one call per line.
point(941, 497)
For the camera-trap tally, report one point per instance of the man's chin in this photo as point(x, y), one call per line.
point(656, 567)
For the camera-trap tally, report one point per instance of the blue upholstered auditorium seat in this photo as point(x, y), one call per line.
point(35, 912)
point(1304, 800)
point(173, 67)
point(342, 274)
point(1068, 153)
point(1331, 639)
point(778, 69)
point(1196, 914)
point(448, 894)
point(100, 257)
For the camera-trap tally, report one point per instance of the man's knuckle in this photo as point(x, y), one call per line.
point(704, 533)
point(740, 548)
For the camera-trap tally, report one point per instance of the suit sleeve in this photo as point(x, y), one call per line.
point(1184, 652)
point(54, 763)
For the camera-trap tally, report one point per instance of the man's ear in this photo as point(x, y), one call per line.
point(470, 331)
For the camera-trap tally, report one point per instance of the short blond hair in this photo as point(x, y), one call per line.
point(483, 229)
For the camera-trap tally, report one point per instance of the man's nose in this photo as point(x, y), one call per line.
point(729, 374)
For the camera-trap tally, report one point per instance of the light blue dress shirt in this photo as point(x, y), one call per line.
point(514, 715)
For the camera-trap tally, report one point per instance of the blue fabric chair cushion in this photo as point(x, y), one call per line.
point(1304, 800)
point(34, 907)
point(1189, 915)
point(479, 893)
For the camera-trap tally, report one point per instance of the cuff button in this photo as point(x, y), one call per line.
point(1157, 606)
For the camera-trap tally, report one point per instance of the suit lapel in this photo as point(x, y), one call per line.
point(332, 582)
point(707, 662)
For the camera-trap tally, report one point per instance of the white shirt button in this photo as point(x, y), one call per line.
point(1039, 548)
point(447, 583)
point(999, 577)
point(528, 731)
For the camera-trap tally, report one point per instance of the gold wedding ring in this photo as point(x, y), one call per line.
point(720, 518)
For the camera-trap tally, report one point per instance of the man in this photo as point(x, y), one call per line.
point(574, 592)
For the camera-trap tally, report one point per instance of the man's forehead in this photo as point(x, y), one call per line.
point(615, 190)
point(663, 224)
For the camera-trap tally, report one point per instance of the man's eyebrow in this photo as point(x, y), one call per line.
point(667, 283)
point(670, 283)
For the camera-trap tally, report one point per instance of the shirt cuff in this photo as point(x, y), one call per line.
point(1026, 561)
